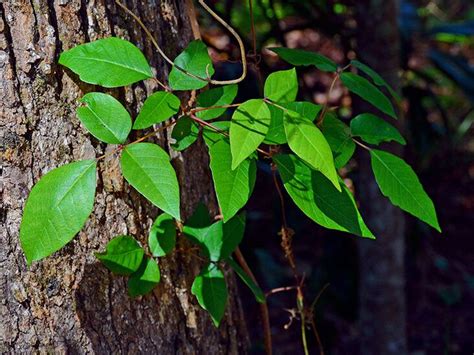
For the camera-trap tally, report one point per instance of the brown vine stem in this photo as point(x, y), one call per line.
point(362, 145)
point(207, 124)
point(280, 289)
point(267, 334)
point(326, 104)
point(167, 59)
point(151, 134)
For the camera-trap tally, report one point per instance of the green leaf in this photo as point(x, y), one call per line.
point(234, 231)
point(366, 90)
point(233, 187)
point(57, 208)
point(185, 132)
point(200, 218)
point(399, 183)
point(105, 117)
point(339, 138)
point(276, 131)
point(212, 136)
point(318, 198)
point(282, 86)
point(109, 62)
point(375, 130)
point(147, 168)
point(194, 60)
point(300, 57)
point(162, 236)
point(307, 141)
point(144, 280)
point(256, 290)
point(157, 108)
point(210, 289)
point(376, 78)
point(219, 96)
point(248, 129)
point(123, 255)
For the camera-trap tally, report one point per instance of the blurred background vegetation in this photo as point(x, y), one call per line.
point(435, 52)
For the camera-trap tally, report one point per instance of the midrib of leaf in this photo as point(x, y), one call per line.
point(113, 63)
point(103, 123)
point(401, 183)
point(56, 205)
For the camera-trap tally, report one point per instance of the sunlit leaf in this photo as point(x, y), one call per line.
point(57, 208)
point(157, 108)
point(123, 255)
point(281, 86)
point(109, 62)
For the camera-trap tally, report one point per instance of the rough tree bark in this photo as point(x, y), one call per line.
point(382, 271)
point(69, 302)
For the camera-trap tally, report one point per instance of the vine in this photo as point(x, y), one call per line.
point(304, 143)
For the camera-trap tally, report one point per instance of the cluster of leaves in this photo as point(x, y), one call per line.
point(306, 151)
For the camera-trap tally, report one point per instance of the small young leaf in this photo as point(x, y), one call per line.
point(282, 86)
point(376, 78)
point(57, 208)
point(194, 60)
point(276, 131)
point(162, 236)
point(105, 117)
point(147, 168)
point(157, 108)
point(109, 62)
point(256, 290)
point(300, 57)
point(375, 130)
point(233, 187)
point(307, 141)
point(144, 280)
point(248, 129)
point(219, 96)
point(339, 138)
point(399, 183)
point(123, 255)
point(366, 90)
point(210, 289)
point(211, 136)
point(318, 199)
point(185, 132)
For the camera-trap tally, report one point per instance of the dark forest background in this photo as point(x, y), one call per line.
point(433, 48)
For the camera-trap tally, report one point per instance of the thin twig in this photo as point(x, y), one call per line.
point(267, 334)
point(362, 145)
point(328, 96)
point(280, 289)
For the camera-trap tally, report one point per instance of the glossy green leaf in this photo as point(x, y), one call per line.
point(399, 183)
point(123, 255)
point(109, 62)
point(307, 141)
point(57, 208)
point(256, 290)
point(281, 86)
point(375, 130)
point(211, 136)
point(157, 108)
point(248, 129)
point(219, 96)
point(144, 280)
point(185, 132)
point(147, 168)
point(210, 289)
point(194, 60)
point(339, 138)
point(233, 187)
point(234, 231)
point(162, 236)
point(301, 57)
point(208, 237)
point(276, 131)
point(367, 91)
point(105, 117)
point(318, 198)
point(376, 78)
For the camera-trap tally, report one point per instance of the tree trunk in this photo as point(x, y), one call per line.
point(69, 302)
point(382, 279)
